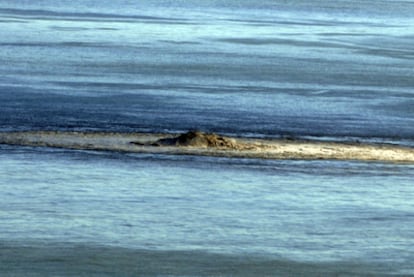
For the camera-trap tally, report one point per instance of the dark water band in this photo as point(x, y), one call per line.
point(69, 259)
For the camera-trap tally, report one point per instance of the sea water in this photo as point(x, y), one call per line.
point(339, 70)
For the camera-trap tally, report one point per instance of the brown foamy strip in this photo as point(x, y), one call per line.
point(210, 145)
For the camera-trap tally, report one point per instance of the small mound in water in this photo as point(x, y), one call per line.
point(198, 139)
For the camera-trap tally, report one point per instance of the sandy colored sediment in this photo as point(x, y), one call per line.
point(232, 147)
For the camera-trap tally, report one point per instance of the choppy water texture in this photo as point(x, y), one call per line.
point(323, 69)
point(326, 69)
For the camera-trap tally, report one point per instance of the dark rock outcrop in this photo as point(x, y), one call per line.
point(197, 139)
point(200, 139)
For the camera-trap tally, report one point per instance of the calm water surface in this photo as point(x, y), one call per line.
point(341, 70)
point(312, 213)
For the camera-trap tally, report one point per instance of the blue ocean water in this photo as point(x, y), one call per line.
point(321, 69)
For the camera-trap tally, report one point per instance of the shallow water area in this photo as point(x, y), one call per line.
point(310, 213)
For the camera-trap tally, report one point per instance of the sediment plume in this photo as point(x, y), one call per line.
point(210, 144)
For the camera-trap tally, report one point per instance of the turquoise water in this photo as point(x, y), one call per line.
point(310, 213)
